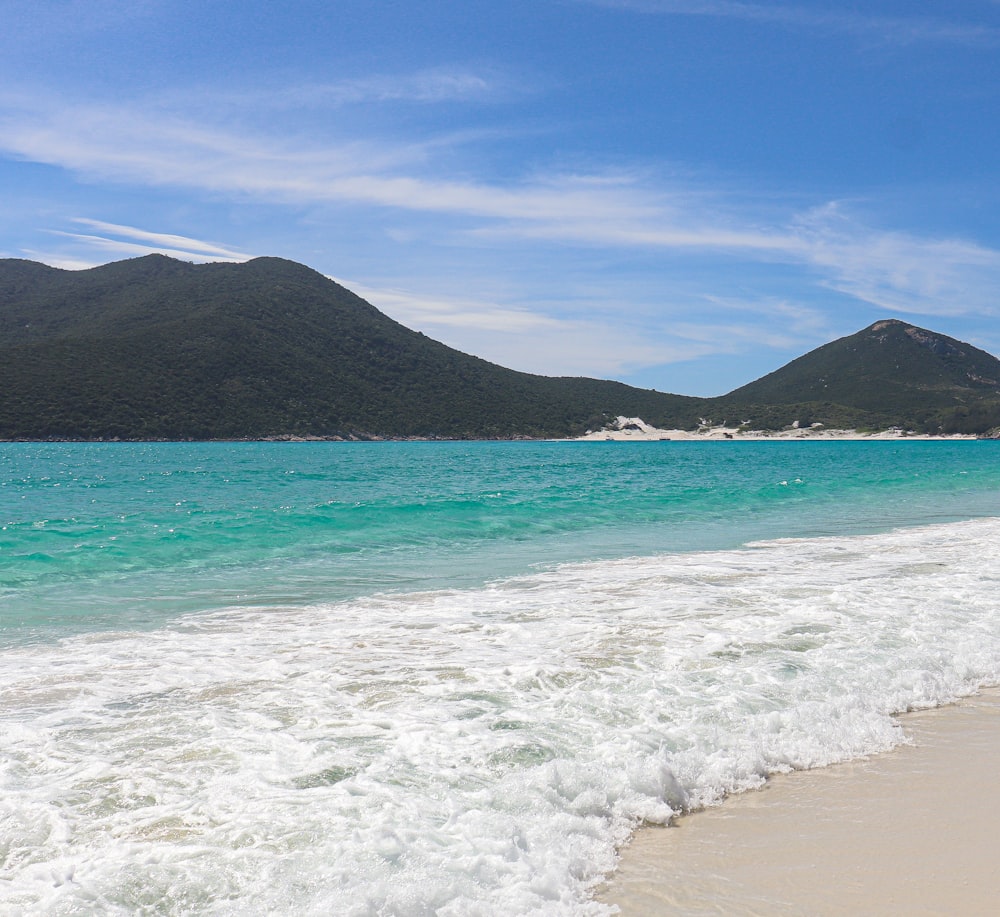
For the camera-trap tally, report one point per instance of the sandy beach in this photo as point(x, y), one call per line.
point(635, 429)
point(909, 832)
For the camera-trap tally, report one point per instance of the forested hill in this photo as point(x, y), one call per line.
point(894, 374)
point(154, 348)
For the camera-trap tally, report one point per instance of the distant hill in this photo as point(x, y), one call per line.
point(889, 374)
point(154, 348)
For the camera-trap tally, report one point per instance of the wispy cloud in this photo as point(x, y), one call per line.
point(418, 310)
point(622, 210)
point(899, 271)
point(531, 340)
point(898, 30)
point(163, 242)
point(612, 346)
point(60, 259)
point(433, 86)
point(787, 321)
point(130, 241)
point(127, 146)
point(123, 145)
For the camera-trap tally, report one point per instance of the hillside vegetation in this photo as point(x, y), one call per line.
point(889, 374)
point(154, 348)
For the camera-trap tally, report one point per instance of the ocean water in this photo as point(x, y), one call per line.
point(452, 678)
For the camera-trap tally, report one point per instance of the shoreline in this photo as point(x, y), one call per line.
point(634, 429)
point(624, 429)
point(911, 831)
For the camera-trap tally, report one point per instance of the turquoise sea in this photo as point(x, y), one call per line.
point(452, 678)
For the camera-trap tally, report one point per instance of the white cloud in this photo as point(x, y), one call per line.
point(121, 145)
point(898, 30)
point(536, 342)
point(433, 86)
point(581, 348)
point(526, 340)
point(681, 235)
point(899, 271)
point(568, 347)
point(422, 310)
point(165, 243)
point(622, 210)
point(174, 246)
point(134, 249)
point(60, 259)
point(787, 323)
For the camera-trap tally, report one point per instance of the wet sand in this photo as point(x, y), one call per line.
point(915, 831)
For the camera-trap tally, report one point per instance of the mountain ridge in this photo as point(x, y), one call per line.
point(894, 369)
point(156, 348)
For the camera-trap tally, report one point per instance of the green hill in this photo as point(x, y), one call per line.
point(153, 348)
point(889, 374)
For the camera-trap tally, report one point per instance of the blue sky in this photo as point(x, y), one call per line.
point(680, 194)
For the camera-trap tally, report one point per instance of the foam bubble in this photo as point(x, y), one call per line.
point(467, 751)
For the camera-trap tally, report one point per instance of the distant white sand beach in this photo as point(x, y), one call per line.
point(635, 429)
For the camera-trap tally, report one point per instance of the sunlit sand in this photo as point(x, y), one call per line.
point(909, 832)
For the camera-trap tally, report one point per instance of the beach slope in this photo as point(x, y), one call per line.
point(909, 832)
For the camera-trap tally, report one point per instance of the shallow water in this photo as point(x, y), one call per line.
point(451, 678)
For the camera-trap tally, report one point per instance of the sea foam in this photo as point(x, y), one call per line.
point(464, 752)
